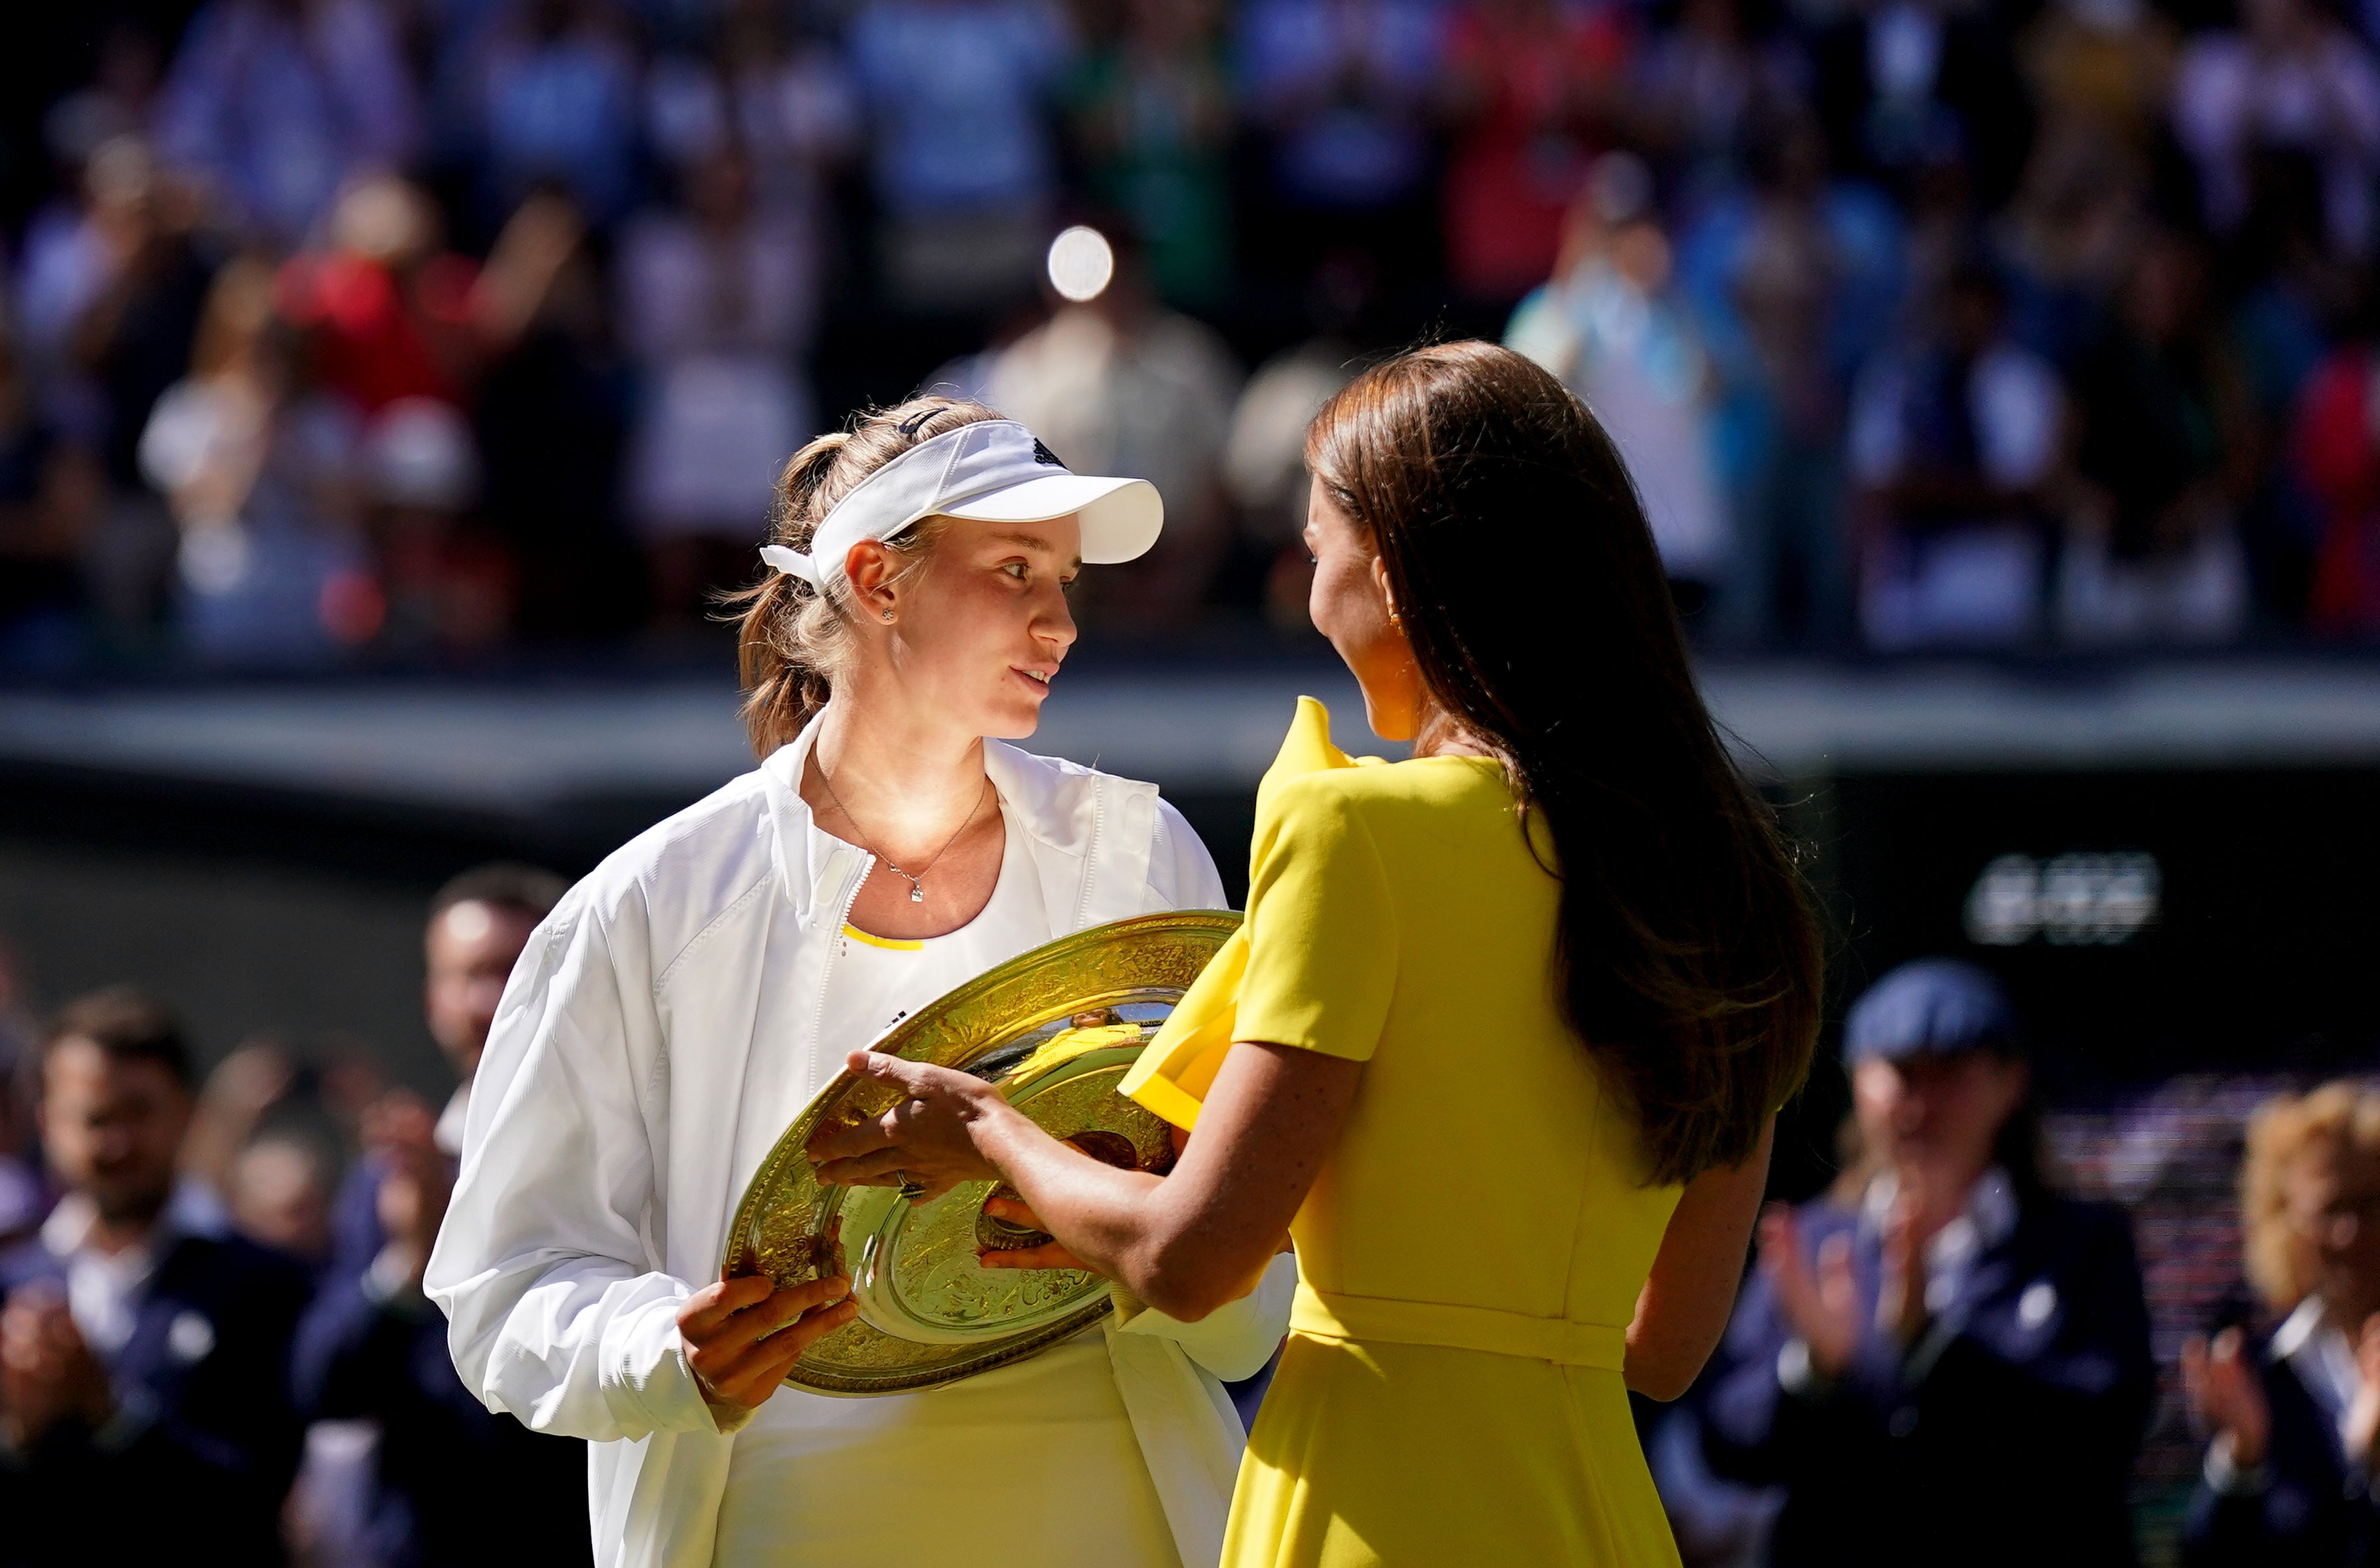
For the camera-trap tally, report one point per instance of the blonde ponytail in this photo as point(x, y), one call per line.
point(793, 640)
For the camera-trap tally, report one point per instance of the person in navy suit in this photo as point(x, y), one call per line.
point(1953, 1366)
point(144, 1350)
point(2294, 1414)
point(457, 1484)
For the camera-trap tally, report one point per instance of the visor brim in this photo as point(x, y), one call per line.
point(1121, 517)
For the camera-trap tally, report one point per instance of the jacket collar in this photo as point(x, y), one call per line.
point(1088, 835)
point(192, 1211)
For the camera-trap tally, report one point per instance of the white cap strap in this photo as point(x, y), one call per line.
point(789, 562)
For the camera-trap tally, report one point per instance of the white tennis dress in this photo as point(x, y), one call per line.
point(1031, 1464)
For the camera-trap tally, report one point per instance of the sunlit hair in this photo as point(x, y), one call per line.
point(792, 639)
point(2340, 1121)
point(1527, 581)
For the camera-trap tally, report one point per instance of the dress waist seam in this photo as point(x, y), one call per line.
point(1331, 1314)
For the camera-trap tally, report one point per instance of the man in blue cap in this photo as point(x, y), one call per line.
point(1951, 1366)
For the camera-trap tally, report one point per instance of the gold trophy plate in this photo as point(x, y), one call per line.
point(1055, 1030)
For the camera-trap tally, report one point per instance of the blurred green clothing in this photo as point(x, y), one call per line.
point(1154, 130)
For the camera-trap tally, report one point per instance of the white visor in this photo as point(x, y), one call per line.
point(992, 471)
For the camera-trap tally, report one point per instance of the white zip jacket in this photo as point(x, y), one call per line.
point(659, 1034)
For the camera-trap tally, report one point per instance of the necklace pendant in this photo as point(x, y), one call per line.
point(916, 893)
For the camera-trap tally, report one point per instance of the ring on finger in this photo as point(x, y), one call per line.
point(911, 1187)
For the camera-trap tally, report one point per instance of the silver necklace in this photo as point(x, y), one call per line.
point(918, 882)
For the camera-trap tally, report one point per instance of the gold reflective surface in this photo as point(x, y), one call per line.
point(1055, 1029)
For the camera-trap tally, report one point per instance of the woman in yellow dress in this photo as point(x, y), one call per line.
point(1500, 1043)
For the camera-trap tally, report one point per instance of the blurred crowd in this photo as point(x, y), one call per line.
point(346, 330)
point(2145, 1333)
point(2150, 1333)
point(211, 1321)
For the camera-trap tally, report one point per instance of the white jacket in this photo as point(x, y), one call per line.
point(656, 1038)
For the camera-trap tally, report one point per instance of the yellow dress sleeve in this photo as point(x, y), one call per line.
point(1313, 963)
point(1322, 939)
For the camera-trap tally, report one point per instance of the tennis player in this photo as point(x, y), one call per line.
point(685, 1001)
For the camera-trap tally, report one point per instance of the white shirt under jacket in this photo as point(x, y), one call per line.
point(656, 1038)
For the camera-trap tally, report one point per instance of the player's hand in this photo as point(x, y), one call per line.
point(743, 1335)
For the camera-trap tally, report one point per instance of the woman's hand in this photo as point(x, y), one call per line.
point(2220, 1384)
point(743, 1335)
point(1050, 1254)
point(929, 1140)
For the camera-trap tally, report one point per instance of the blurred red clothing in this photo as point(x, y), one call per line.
point(1539, 76)
point(379, 335)
point(2338, 453)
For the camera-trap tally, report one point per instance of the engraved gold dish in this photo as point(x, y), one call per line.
point(1055, 1030)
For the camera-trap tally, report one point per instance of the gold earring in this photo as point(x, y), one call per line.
point(1395, 619)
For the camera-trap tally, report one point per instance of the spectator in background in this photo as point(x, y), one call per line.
point(449, 585)
point(788, 103)
point(958, 95)
point(24, 1197)
point(1152, 122)
point(551, 424)
point(1699, 89)
point(2101, 74)
point(1339, 89)
point(232, 1106)
point(386, 309)
point(1616, 333)
point(1264, 456)
point(2295, 1414)
point(1120, 385)
point(2292, 78)
point(68, 254)
point(120, 99)
point(555, 99)
point(1959, 1336)
point(50, 495)
point(279, 1195)
point(265, 1143)
point(2288, 298)
point(2165, 453)
point(131, 331)
point(1899, 82)
point(2338, 451)
point(1957, 444)
point(143, 1352)
point(717, 299)
point(2101, 67)
point(2068, 237)
point(274, 104)
point(258, 465)
point(1532, 89)
point(458, 1483)
point(128, 339)
point(1793, 282)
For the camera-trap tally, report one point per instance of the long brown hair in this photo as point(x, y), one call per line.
point(1687, 952)
point(790, 637)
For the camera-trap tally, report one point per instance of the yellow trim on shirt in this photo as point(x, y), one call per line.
point(890, 943)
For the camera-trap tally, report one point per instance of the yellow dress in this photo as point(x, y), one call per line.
point(1472, 1252)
